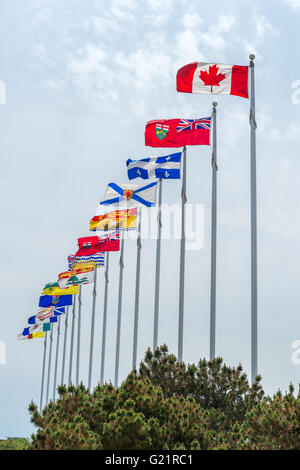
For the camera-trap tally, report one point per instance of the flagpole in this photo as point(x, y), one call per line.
point(49, 364)
point(157, 275)
point(78, 337)
point(213, 239)
point(137, 293)
point(72, 341)
point(43, 372)
point(119, 311)
point(182, 261)
point(64, 348)
point(104, 320)
point(253, 226)
point(56, 358)
point(92, 330)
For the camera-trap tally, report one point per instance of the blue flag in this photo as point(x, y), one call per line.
point(55, 300)
point(159, 167)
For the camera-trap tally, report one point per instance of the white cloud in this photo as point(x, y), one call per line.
point(263, 27)
point(225, 23)
point(293, 3)
point(192, 20)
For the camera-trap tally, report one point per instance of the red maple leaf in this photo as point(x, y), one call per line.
point(212, 78)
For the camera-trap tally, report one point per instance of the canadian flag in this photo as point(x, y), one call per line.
point(215, 79)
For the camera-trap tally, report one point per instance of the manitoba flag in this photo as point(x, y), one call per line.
point(178, 132)
point(215, 79)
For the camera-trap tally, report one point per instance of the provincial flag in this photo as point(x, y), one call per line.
point(55, 301)
point(157, 167)
point(93, 245)
point(41, 334)
point(178, 132)
point(86, 262)
point(46, 314)
point(54, 289)
point(120, 219)
point(130, 195)
point(35, 331)
point(213, 79)
point(75, 277)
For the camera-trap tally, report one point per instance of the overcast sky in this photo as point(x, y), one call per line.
point(82, 78)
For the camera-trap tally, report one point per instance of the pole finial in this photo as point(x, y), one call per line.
point(215, 104)
point(252, 56)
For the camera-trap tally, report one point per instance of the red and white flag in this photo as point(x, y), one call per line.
point(213, 79)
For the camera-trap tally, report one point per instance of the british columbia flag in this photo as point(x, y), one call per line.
point(193, 124)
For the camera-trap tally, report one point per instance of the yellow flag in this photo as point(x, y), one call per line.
point(119, 219)
point(38, 335)
point(54, 289)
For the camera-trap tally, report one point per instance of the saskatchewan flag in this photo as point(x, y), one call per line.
point(53, 289)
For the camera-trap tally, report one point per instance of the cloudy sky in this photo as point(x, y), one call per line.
point(82, 77)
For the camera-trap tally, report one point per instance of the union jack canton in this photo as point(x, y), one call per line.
point(193, 124)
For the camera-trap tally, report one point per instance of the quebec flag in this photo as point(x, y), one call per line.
point(158, 167)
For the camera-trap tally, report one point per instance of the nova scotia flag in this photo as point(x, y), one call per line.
point(158, 167)
point(130, 195)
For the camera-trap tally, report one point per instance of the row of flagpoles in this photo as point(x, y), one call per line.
point(126, 201)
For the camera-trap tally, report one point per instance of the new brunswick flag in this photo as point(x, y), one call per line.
point(54, 289)
point(119, 219)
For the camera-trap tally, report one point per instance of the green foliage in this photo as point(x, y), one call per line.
point(15, 444)
point(169, 405)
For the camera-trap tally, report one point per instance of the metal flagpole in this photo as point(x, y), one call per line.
point(64, 348)
point(49, 364)
point(213, 239)
point(253, 226)
point(56, 358)
point(78, 337)
point(157, 275)
point(72, 340)
point(119, 311)
point(104, 320)
point(182, 261)
point(92, 329)
point(137, 293)
point(43, 372)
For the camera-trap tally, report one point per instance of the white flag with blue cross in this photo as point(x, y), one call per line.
point(130, 195)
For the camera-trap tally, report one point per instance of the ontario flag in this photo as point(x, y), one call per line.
point(178, 132)
point(92, 245)
point(213, 79)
